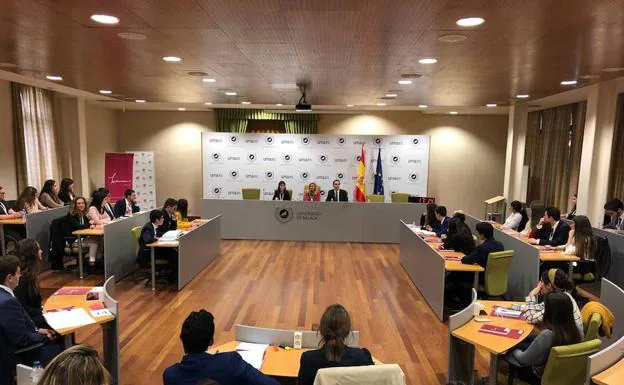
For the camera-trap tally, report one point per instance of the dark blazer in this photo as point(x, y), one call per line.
point(443, 227)
point(313, 360)
point(17, 330)
point(224, 368)
point(458, 243)
point(435, 223)
point(342, 196)
point(560, 235)
point(4, 208)
point(480, 255)
point(65, 198)
point(148, 235)
point(169, 223)
point(120, 208)
point(30, 301)
point(109, 210)
point(286, 196)
point(75, 224)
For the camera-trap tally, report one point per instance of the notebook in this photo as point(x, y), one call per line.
point(501, 331)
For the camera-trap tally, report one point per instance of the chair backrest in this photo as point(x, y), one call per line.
point(375, 198)
point(309, 339)
point(390, 374)
point(592, 327)
point(136, 233)
point(399, 197)
point(251, 193)
point(602, 256)
point(23, 374)
point(567, 365)
point(497, 272)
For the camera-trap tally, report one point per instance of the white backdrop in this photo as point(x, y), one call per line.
point(143, 179)
point(233, 161)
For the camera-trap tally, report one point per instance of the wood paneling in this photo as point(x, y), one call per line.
point(282, 285)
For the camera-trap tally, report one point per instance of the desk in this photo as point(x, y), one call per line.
point(20, 221)
point(558, 256)
point(427, 268)
point(616, 244)
point(277, 363)
point(97, 232)
point(612, 376)
point(311, 221)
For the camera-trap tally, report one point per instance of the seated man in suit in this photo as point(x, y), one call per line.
point(337, 194)
point(551, 230)
point(150, 234)
point(440, 213)
point(5, 211)
point(197, 365)
point(488, 245)
point(127, 206)
point(614, 210)
point(17, 330)
point(169, 217)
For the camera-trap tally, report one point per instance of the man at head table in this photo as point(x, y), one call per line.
point(5, 211)
point(337, 194)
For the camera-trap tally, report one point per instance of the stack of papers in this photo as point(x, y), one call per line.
point(253, 354)
point(66, 319)
point(171, 235)
point(507, 313)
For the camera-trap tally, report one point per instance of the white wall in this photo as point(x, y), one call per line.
point(8, 174)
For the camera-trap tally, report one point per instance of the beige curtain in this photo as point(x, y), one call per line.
point(36, 144)
point(616, 171)
point(553, 153)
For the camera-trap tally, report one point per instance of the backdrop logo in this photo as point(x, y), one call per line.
point(322, 193)
point(357, 158)
point(251, 157)
point(322, 159)
point(395, 159)
point(269, 175)
point(287, 158)
point(283, 214)
point(415, 141)
point(413, 177)
point(305, 140)
point(233, 139)
point(269, 140)
point(378, 141)
point(215, 156)
point(216, 191)
point(305, 176)
point(340, 176)
point(341, 141)
point(234, 174)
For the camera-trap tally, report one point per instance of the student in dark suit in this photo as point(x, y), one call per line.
point(169, 217)
point(149, 235)
point(556, 231)
point(614, 210)
point(334, 328)
point(281, 194)
point(5, 211)
point(488, 245)
point(337, 194)
point(440, 212)
point(226, 368)
point(127, 206)
point(17, 330)
point(27, 291)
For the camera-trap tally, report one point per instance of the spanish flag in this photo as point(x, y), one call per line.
point(360, 186)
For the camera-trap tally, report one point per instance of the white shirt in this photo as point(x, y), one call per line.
point(553, 231)
point(128, 208)
point(4, 208)
point(6, 288)
point(513, 221)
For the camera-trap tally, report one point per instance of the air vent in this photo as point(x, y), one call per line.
point(197, 73)
point(411, 76)
point(108, 101)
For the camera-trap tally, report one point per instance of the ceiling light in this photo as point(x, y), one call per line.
point(522, 96)
point(491, 105)
point(245, 102)
point(279, 104)
point(569, 83)
point(208, 103)
point(453, 112)
point(428, 60)
point(350, 105)
point(613, 69)
point(391, 95)
point(131, 36)
point(106, 92)
point(139, 101)
point(230, 93)
point(105, 19)
point(381, 104)
point(470, 21)
point(452, 38)
point(404, 81)
point(589, 76)
point(209, 80)
point(423, 106)
point(172, 59)
point(54, 77)
point(181, 109)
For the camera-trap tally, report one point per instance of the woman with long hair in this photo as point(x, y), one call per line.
point(97, 213)
point(28, 201)
point(536, 212)
point(281, 194)
point(515, 216)
point(581, 241)
point(49, 194)
point(27, 291)
point(429, 220)
point(572, 213)
point(459, 237)
point(66, 195)
point(559, 330)
point(77, 365)
point(312, 193)
point(335, 328)
point(79, 220)
point(182, 214)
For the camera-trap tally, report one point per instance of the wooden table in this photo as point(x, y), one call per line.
point(495, 345)
point(153, 246)
point(57, 301)
point(97, 232)
point(612, 376)
point(455, 264)
point(18, 221)
point(558, 256)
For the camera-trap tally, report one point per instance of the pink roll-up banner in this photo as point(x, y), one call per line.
point(118, 171)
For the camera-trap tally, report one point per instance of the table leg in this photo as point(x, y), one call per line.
point(68, 340)
point(80, 267)
point(475, 283)
point(153, 254)
point(570, 270)
point(493, 368)
point(110, 334)
point(2, 245)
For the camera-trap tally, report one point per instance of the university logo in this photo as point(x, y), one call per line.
point(287, 158)
point(233, 139)
point(269, 140)
point(395, 159)
point(322, 193)
point(340, 176)
point(283, 214)
point(305, 176)
point(378, 141)
point(234, 174)
point(341, 141)
point(305, 140)
point(216, 191)
point(216, 156)
point(322, 159)
point(415, 142)
point(251, 157)
point(269, 175)
point(413, 177)
point(358, 158)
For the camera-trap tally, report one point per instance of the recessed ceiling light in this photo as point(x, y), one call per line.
point(381, 104)
point(209, 80)
point(245, 102)
point(522, 96)
point(139, 101)
point(391, 95)
point(106, 92)
point(105, 19)
point(181, 109)
point(131, 36)
point(230, 93)
point(350, 105)
point(55, 78)
point(423, 106)
point(470, 21)
point(453, 112)
point(569, 83)
point(491, 105)
point(279, 104)
point(613, 69)
point(208, 103)
point(172, 59)
point(589, 76)
point(404, 81)
point(428, 60)
point(452, 38)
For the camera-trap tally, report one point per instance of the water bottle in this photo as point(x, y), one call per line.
point(36, 373)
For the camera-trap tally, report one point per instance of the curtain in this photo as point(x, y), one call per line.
point(235, 120)
point(616, 170)
point(553, 153)
point(36, 144)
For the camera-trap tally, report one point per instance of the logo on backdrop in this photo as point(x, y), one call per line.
point(323, 192)
point(395, 159)
point(322, 159)
point(251, 157)
point(358, 158)
point(216, 191)
point(305, 176)
point(233, 139)
point(415, 142)
point(268, 175)
point(234, 174)
point(413, 177)
point(269, 140)
point(283, 214)
point(378, 141)
point(287, 158)
point(305, 140)
point(341, 141)
point(340, 176)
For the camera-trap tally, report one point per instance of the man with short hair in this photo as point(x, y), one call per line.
point(226, 368)
point(337, 194)
point(5, 211)
point(127, 206)
point(551, 230)
point(488, 245)
point(614, 209)
point(169, 216)
point(148, 235)
point(440, 213)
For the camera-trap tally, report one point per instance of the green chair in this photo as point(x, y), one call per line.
point(292, 198)
point(251, 194)
point(136, 233)
point(399, 197)
point(375, 198)
point(593, 326)
point(497, 273)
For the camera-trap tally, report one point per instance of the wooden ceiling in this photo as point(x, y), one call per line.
point(350, 51)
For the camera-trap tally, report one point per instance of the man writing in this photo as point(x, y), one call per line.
point(127, 206)
point(337, 194)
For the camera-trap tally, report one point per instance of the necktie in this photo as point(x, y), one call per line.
point(337, 195)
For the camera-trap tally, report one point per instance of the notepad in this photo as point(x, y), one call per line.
point(253, 354)
point(73, 290)
point(501, 331)
point(68, 319)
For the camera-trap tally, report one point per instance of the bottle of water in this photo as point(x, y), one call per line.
point(36, 373)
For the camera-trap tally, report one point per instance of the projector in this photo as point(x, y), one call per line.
point(303, 107)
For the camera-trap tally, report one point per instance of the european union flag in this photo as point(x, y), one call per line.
point(378, 189)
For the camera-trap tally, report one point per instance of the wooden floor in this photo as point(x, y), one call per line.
point(281, 285)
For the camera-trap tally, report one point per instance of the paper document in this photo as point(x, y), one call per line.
point(253, 354)
point(101, 313)
point(168, 243)
point(171, 235)
point(68, 319)
point(251, 346)
point(500, 311)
